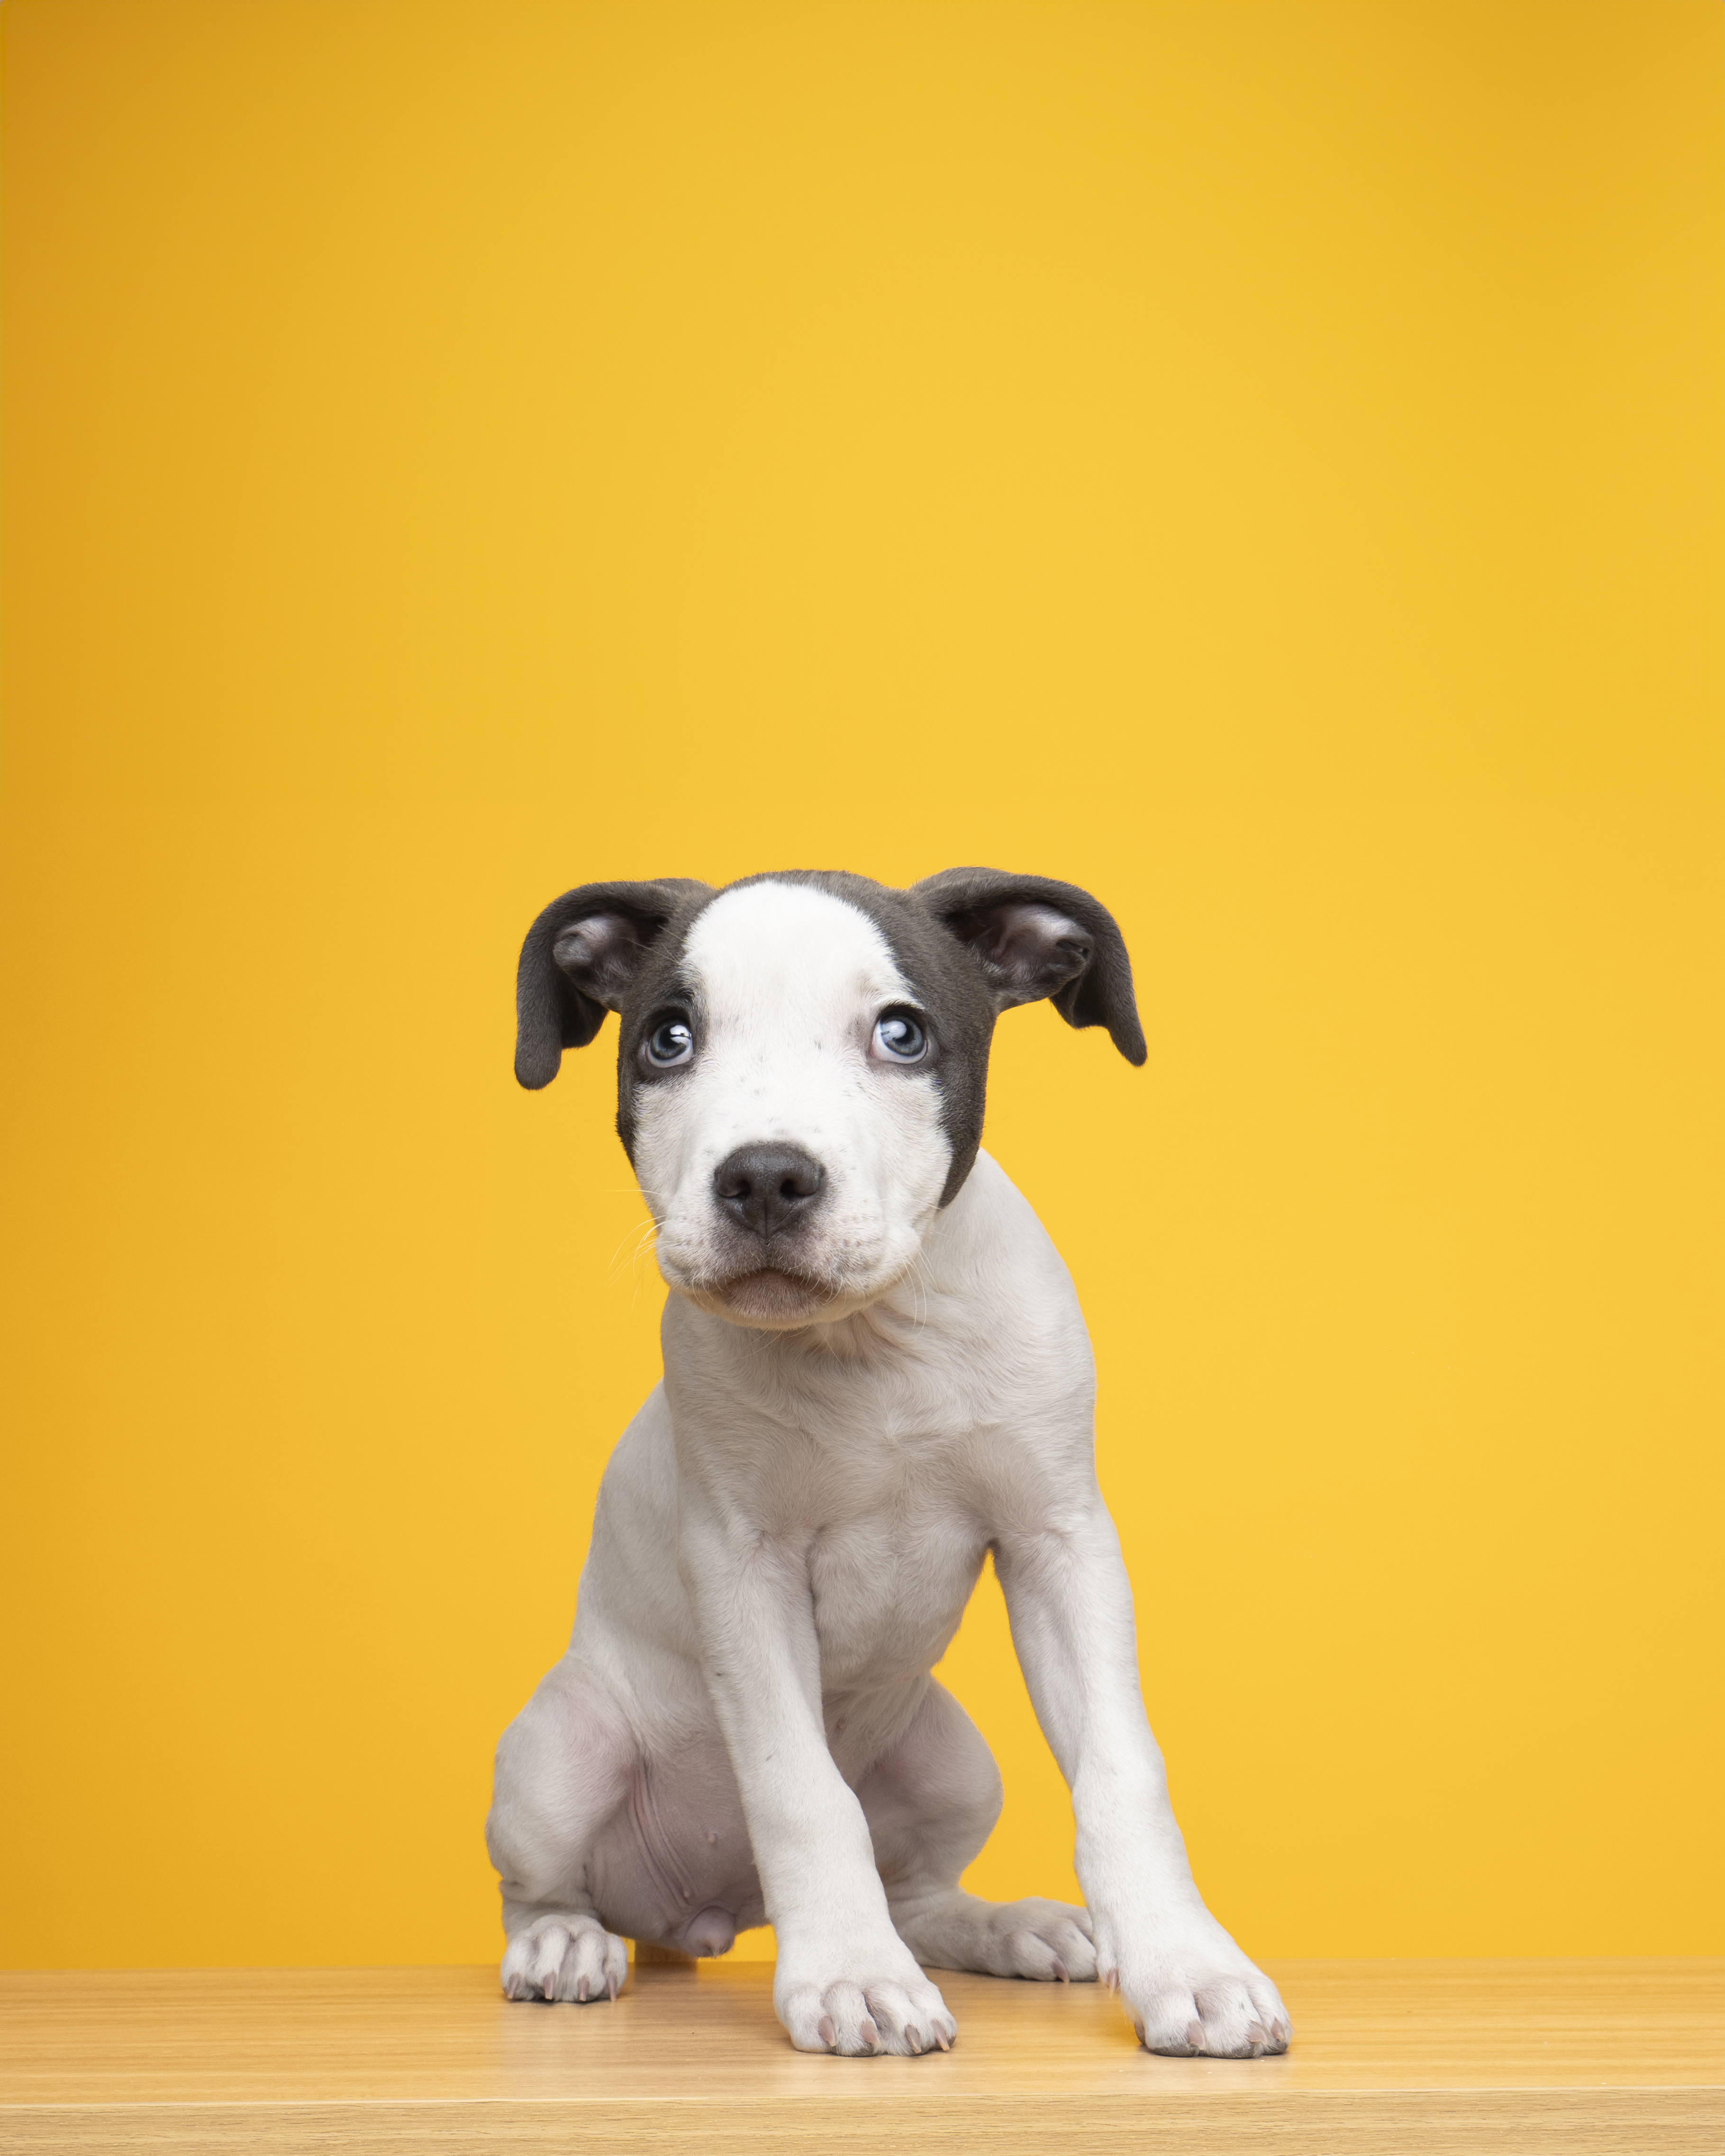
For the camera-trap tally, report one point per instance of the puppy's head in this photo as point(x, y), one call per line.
point(804, 1058)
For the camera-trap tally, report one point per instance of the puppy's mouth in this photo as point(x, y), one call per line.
point(771, 1296)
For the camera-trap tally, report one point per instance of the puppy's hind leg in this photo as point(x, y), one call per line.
point(930, 1804)
point(563, 1767)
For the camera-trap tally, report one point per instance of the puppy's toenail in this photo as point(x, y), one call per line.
point(825, 2030)
point(871, 2035)
point(581, 1991)
point(611, 1990)
point(1060, 1970)
point(945, 2042)
point(1255, 2033)
point(1194, 2034)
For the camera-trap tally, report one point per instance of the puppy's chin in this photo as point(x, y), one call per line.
point(771, 1299)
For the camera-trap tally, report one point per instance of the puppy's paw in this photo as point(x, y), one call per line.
point(569, 1957)
point(1049, 1942)
point(1190, 1993)
point(861, 2004)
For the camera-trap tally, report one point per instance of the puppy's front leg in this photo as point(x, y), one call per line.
point(845, 1981)
point(1185, 1983)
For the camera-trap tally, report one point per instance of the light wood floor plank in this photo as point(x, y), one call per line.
point(1520, 2057)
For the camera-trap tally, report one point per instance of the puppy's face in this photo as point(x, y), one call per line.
point(786, 1129)
point(804, 1058)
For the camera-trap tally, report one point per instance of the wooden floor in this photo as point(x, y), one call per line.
point(1520, 2057)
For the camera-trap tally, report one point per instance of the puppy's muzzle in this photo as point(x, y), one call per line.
point(768, 1188)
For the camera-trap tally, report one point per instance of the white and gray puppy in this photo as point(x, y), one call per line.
point(875, 1372)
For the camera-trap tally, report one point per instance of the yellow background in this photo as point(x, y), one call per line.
point(1257, 459)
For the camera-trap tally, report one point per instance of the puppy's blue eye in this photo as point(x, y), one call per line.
point(899, 1037)
point(668, 1044)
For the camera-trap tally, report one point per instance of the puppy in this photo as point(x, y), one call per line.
point(875, 1372)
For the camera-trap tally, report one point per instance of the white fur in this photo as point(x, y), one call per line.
point(744, 1725)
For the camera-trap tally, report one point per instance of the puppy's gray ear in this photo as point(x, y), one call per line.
point(580, 956)
point(1033, 937)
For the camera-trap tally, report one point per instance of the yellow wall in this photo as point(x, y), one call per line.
point(1259, 461)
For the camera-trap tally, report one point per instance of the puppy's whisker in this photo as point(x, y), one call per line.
point(632, 1238)
point(640, 1237)
point(632, 1235)
point(917, 1284)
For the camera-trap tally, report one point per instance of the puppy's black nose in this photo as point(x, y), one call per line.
point(764, 1187)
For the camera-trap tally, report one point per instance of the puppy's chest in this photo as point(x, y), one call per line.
point(882, 1473)
point(888, 1585)
point(893, 1519)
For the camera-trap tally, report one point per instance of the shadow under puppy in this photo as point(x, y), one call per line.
point(875, 1372)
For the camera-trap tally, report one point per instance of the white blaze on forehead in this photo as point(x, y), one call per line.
point(788, 950)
